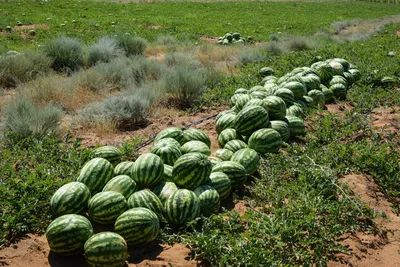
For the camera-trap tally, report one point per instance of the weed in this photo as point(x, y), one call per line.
point(298, 43)
point(104, 50)
point(66, 53)
point(251, 55)
point(131, 45)
point(24, 119)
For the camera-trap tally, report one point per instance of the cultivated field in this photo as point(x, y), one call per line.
point(76, 75)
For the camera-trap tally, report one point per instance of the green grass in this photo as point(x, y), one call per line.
point(183, 20)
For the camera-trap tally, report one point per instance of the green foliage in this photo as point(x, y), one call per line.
point(66, 53)
point(23, 119)
point(30, 172)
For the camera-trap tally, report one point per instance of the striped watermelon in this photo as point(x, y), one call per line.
point(318, 97)
point(193, 134)
point(324, 70)
point(223, 154)
point(172, 132)
point(328, 94)
point(309, 101)
point(276, 108)
point(241, 91)
point(167, 141)
point(257, 88)
point(235, 145)
point(295, 111)
point(265, 141)
point(95, 174)
point(164, 190)
point(225, 121)
point(221, 182)
point(339, 90)
point(349, 77)
point(266, 71)
point(105, 207)
point(182, 207)
point(167, 173)
point(191, 170)
point(137, 226)
point(110, 153)
point(257, 102)
point(248, 158)
point(235, 171)
point(298, 88)
point(122, 184)
point(296, 125)
point(337, 68)
point(282, 128)
point(214, 160)
point(356, 74)
point(258, 95)
point(147, 199)
point(343, 62)
point(208, 198)
point(148, 170)
point(222, 113)
point(168, 152)
point(70, 198)
point(250, 119)
point(124, 168)
point(241, 101)
point(338, 79)
point(312, 81)
point(286, 95)
point(67, 234)
point(226, 136)
point(106, 249)
point(196, 146)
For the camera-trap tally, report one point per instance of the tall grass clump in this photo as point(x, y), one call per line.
point(23, 118)
point(145, 71)
point(116, 73)
point(66, 53)
point(131, 45)
point(251, 55)
point(104, 50)
point(298, 43)
point(23, 67)
point(127, 110)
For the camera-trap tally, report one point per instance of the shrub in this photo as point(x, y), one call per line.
point(132, 45)
point(91, 79)
point(298, 43)
point(128, 110)
point(66, 53)
point(23, 67)
point(166, 40)
point(274, 48)
point(116, 73)
point(144, 70)
point(23, 119)
point(251, 55)
point(182, 59)
point(103, 50)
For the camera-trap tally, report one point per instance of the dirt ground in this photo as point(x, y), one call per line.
point(367, 250)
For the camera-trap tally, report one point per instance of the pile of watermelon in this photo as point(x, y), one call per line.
point(234, 38)
point(180, 179)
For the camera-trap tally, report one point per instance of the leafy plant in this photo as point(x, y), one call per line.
point(66, 53)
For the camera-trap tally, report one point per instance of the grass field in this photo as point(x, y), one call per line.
point(298, 208)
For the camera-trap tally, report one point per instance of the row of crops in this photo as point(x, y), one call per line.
point(181, 179)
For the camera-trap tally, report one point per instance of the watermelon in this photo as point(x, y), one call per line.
point(196, 146)
point(339, 90)
point(226, 136)
point(70, 198)
point(148, 170)
point(258, 95)
point(68, 233)
point(337, 68)
point(168, 152)
point(168, 141)
point(257, 102)
point(105, 207)
point(241, 91)
point(182, 207)
point(286, 95)
point(124, 168)
point(106, 249)
point(235, 145)
point(164, 190)
point(295, 111)
point(266, 71)
point(122, 184)
point(318, 97)
point(328, 94)
point(147, 199)
point(282, 128)
point(167, 173)
point(223, 154)
point(193, 134)
point(349, 77)
point(309, 101)
point(343, 62)
point(95, 174)
point(235, 171)
point(296, 125)
point(110, 153)
point(221, 182)
point(208, 198)
point(137, 226)
point(257, 88)
point(241, 101)
point(222, 113)
point(276, 108)
point(250, 119)
point(265, 141)
point(324, 70)
point(356, 74)
point(191, 170)
point(172, 132)
point(225, 121)
point(214, 160)
point(248, 158)
point(298, 88)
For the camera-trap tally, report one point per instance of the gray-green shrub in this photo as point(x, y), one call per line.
point(66, 53)
point(131, 45)
point(104, 50)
